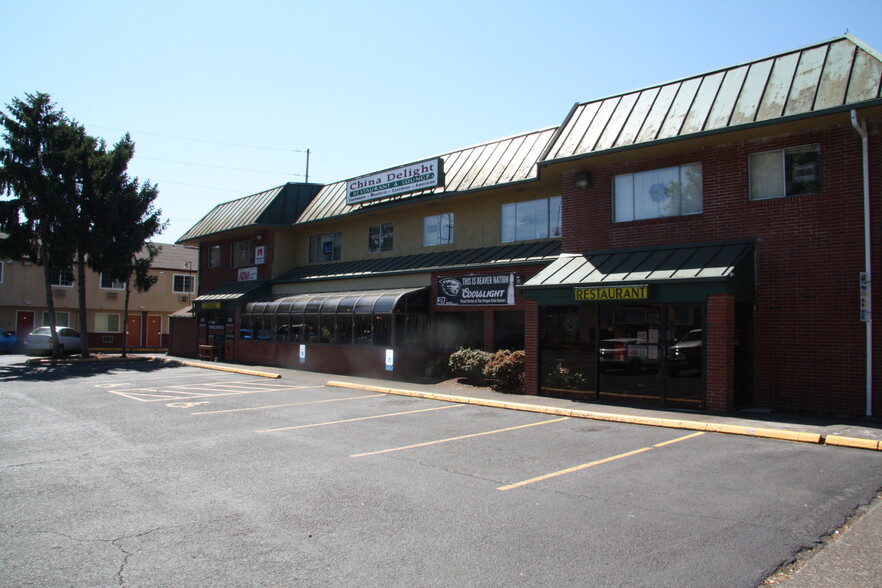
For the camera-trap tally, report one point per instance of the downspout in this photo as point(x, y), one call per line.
point(861, 128)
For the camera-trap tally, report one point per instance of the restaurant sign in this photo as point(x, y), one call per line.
point(476, 290)
point(422, 175)
point(612, 293)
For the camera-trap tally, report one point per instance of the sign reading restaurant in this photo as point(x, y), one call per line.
point(475, 290)
point(602, 294)
point(422, 175)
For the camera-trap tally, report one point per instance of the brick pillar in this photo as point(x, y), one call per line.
point(531, 349)
point(719, 341)
point(488, 330)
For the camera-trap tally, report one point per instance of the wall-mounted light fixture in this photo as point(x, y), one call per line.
point(259, 237)
point(582, 180)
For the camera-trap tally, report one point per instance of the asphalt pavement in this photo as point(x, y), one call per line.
point(848, 558)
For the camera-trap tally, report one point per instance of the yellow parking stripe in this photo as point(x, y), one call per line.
point(288, 404)
point(597, 462)
point(457, 438)
point(379, 416)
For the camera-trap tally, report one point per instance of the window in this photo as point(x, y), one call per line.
point(671, 191)
point(785, 172)
point(214, 255)
point(106, 322)
point(438, 229)
point(242, 254)
point(324, 247)
point(108, 283)
point(63, 277)
point(62, 319)
point(534, 219)
point(380, 238)
point(182, 284)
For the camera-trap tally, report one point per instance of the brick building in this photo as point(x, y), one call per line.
point(702, 244)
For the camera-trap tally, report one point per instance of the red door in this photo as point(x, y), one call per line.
point(154, 331)
point(133, 331)
point(24, 323)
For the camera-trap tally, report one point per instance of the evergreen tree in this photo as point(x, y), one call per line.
point(37, 182)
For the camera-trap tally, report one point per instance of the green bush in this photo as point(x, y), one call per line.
point(469, 363)
point(506, 369)
point(565, 379)
point(437, 368)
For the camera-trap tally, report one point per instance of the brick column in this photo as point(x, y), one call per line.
point(531, 349)
point(719, 341)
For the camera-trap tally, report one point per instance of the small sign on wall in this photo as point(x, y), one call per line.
point(303, 354)
point(390, 360)
point(260, 254)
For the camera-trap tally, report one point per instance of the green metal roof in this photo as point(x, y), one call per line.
point(277, 206)
point(233, 291)
point(502, 255)
point(830, 76)
point(646, 265)
point(503, 161)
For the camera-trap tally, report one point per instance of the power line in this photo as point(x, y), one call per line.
point(218, 166)
point(200, 140)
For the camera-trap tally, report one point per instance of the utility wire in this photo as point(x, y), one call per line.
point(259, 171)
point(200, 140)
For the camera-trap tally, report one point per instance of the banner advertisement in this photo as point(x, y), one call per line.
point(476, 290)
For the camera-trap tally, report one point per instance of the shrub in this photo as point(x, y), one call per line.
point(469, 363)
point(506, 369)
point(565, 379)
point(437, 368)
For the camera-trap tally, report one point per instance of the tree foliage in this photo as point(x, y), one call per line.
point(69, 200)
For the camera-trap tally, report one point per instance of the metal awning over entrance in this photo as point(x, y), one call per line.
point(404, 300)
point(228, 296)
point(683, 272)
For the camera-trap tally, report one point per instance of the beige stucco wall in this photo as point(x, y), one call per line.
point(477, 223)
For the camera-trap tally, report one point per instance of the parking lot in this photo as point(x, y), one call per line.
point(153, 474)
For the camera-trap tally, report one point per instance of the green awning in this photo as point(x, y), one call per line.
point(230, 295)
point(681, 272)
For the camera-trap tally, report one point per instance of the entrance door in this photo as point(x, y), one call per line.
point(133, 331)
point(154, 331)
point(651, 354)
point(24, 323)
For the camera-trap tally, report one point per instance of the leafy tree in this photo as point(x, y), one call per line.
point(37, 181)
point(124, 225)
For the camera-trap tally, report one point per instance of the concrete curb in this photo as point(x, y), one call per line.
point(221, 368)
point(778, 434)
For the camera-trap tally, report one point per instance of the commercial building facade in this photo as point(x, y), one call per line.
point(703, 244)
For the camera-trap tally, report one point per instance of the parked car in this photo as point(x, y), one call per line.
point(39, 341)
point(686, 353)
point(9, 342)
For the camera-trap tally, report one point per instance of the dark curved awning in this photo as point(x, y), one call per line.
point(351, 302)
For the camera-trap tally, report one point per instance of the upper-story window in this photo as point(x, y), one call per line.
point(671, 191)
point(108, 283)
point(380, 238)
point(438, 229)
point(62, 277)
point(325, 247)
point(214, 256)
point(243, 254)
point(533, 219)
point(785, 172)
point(182, 284)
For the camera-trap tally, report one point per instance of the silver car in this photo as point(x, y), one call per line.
point(39, 341)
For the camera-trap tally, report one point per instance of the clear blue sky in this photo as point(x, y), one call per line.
point(222, 99)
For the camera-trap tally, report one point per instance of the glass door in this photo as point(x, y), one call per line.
point(630, 354)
